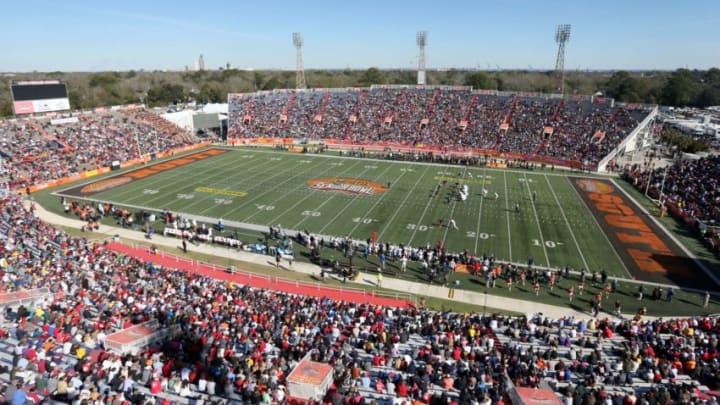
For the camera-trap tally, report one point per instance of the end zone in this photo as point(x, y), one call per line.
point(99, 186)
point(647, 252)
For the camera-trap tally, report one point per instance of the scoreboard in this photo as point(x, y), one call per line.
point(39, 97)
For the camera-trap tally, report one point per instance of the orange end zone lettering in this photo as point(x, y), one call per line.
point(645, 238)
point(627, 222)
point(144, 172)
point(139, 174)
point(645, 261)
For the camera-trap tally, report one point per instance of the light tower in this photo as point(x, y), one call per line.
point(562, 36)
point(299, 70)
point(421, 42)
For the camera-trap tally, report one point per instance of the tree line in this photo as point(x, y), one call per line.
point(680, 88)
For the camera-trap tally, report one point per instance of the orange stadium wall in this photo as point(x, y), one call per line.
point(105, 169)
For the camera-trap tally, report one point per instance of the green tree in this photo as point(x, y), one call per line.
point(103, 79)
point(5, 109)
point(707, 97)
point(479, 80)
point(405, 77)
point(165, 93)
point(210, 94)
point(259, 80)
point(624, 87)
point(75, 99)
point(712, 77)
point(683, 142)
point(272, 83)
point(372, 76)
point(499, 82)
point(679, 90)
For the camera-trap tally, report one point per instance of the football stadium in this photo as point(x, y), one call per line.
point(379, 243)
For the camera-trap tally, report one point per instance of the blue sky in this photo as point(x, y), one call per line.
point(92, 35)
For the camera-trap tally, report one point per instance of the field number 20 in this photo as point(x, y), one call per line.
point(481, 235)
point(311, 213)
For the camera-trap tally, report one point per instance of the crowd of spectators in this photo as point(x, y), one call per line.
point(238, 344)
point(445, 118)
point(690, 191)
point(37, 151)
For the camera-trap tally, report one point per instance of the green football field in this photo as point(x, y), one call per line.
point(262, 187)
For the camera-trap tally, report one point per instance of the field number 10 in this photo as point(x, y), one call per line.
point(548, 243)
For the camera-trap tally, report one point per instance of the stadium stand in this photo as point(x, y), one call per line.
point(236, 344)
point(690, 191)
point(449, 118)
point(38, 151)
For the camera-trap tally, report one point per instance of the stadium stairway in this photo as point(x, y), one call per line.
point(323, 106)
point(559, 108)
point(471, 106)
point(365, 280)
point(40, 130)
point(431, 107)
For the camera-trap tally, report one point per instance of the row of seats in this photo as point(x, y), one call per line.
point(447, 118)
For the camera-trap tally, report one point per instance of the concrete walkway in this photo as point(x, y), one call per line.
point(364, 280)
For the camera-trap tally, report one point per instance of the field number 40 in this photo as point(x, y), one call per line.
point(481, 235)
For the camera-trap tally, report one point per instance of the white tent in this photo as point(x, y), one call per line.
point(215, 108)
point(183, 119)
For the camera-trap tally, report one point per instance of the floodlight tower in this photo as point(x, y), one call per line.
point(299, 69)
point(421, 42)
point(562, 36)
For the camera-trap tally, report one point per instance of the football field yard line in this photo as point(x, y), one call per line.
point(600, 229)
point(452, 211)
point(292, 190)
point(132, 194)
point(229, 171)
point(537, 220)
point(402, 204)
point(430, 200)
point(269, 189)
point(162, 178)
point(179, 176)
point(264, 184)
point(372, 208)
point(327, 200)
point(352, 202)
point(308, 195)
point(507, 216)
point(477, 230)
point(210, 196)
point(572, 234)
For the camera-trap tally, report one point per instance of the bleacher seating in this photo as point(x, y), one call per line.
point(235, 343)
point(62, 150)
point(447, 118)
point(690, 191)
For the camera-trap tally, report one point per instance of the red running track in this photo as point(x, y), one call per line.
point(259, 281)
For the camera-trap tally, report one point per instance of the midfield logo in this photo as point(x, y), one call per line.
point(347, 185)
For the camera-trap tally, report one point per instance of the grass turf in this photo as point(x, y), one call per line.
point(555, 229)
point(266, 188)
